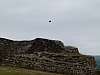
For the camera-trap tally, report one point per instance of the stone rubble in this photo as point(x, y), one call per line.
point(46, 55)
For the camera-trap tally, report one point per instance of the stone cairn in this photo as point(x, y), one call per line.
point(46, 55)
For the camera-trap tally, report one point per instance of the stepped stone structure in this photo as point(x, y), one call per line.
point(46, 55)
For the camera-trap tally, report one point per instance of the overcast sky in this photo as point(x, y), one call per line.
point(75, 22)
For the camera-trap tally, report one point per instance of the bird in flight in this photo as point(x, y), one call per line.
point(50, 21)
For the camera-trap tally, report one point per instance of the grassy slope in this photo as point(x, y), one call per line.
point(98, 72)
point(20, 71)
point(17, 71)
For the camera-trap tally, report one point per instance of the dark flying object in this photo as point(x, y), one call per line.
point(50, 21)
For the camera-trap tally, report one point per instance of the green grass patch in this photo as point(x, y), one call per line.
point(21, 71)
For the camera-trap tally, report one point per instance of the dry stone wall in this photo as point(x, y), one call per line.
point(46, 55)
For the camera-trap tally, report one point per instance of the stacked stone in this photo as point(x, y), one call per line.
point(47, 55)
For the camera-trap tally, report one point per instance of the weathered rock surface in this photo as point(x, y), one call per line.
point(46, 55)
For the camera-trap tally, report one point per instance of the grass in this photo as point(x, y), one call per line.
point(98, 72)
point(21, 71)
